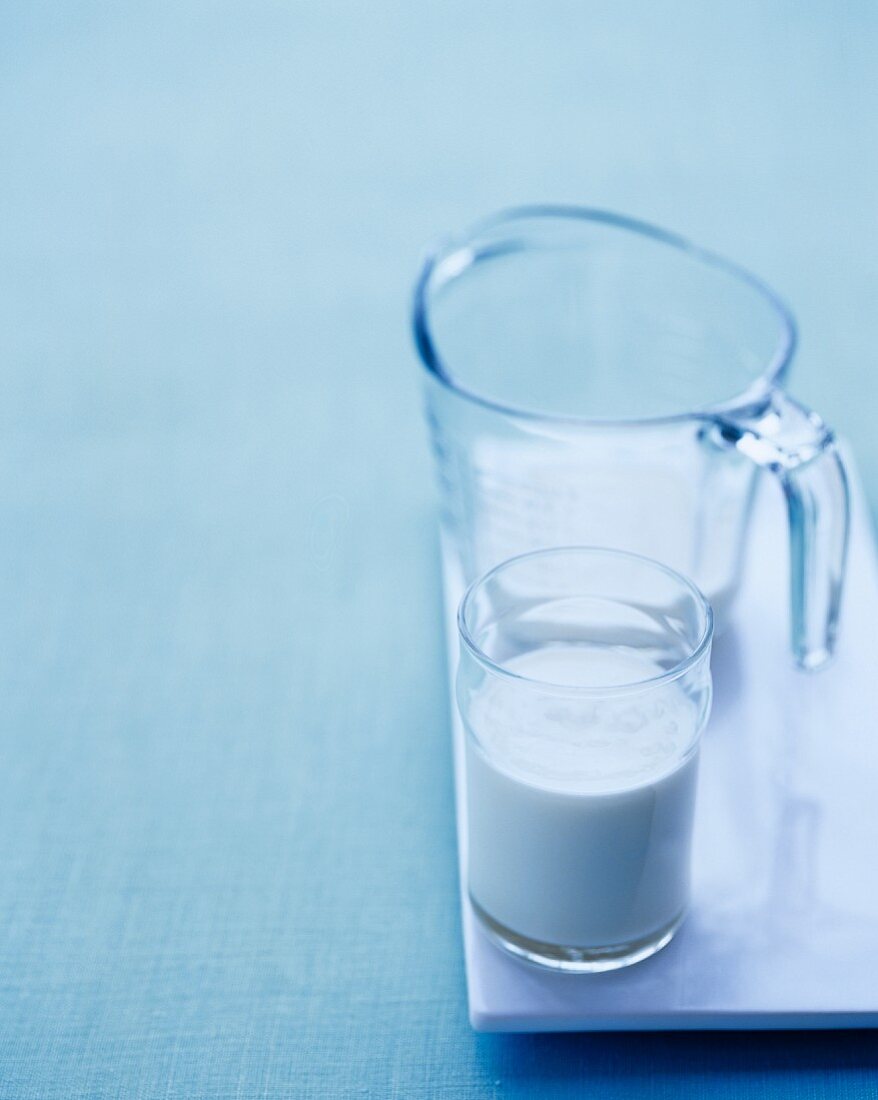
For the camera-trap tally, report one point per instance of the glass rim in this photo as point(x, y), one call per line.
point(460, 247)
point(699, 649)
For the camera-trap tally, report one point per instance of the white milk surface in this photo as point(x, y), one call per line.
point(580, 808)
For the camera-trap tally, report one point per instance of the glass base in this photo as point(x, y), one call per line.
point(575, 960)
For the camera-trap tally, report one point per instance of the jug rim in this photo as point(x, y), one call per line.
point(447, 247)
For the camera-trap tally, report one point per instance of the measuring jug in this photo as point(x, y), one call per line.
point(594, 380)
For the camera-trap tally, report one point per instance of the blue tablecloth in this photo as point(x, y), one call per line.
point(227, 858)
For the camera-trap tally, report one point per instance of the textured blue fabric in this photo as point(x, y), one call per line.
point(227, 859)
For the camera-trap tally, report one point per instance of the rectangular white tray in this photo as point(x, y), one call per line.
point(783, 930)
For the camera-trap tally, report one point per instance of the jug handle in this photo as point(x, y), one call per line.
point(800, 449)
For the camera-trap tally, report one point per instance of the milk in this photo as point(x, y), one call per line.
point(580, 807)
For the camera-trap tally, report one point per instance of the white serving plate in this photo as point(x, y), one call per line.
point(783, 929)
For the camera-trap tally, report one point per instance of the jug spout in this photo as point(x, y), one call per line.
point(798, 447)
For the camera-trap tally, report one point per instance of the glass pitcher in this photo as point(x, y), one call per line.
point(593, 380)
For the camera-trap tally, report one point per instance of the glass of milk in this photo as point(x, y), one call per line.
point(583, 686)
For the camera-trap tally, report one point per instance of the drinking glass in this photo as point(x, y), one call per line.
point(595, 380)
point(583, 687)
